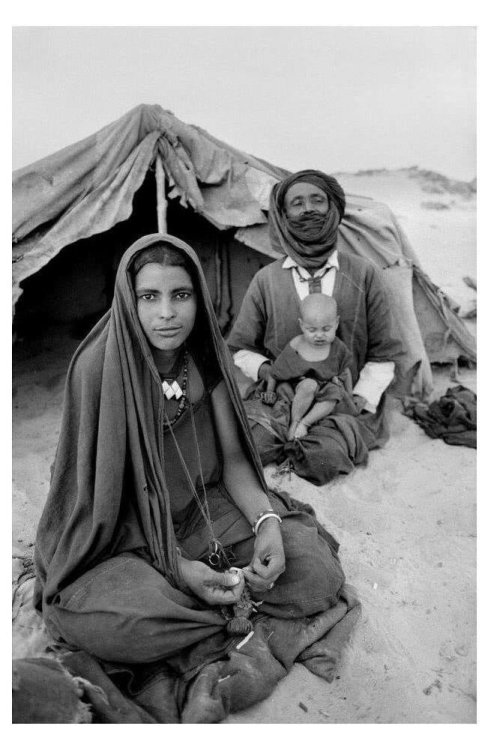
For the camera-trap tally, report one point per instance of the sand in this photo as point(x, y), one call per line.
point(406, 522)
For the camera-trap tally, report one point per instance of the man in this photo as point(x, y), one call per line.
point(305, 212)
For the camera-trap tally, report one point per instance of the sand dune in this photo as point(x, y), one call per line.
point(444, 240)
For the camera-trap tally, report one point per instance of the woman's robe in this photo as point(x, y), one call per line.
point(108, 581)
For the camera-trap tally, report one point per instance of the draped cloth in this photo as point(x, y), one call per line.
point(308, 241)
point(268, 320)
point(107, 578)
point(290, 367)
point(111, 434)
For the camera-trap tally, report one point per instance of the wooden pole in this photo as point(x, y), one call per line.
point(162, 203)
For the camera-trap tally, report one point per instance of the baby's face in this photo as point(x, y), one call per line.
point(319, 328)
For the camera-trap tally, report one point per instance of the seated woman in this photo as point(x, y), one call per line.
point(159, 528)
point(306, 210)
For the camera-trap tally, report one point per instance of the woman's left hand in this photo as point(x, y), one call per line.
point(268, 561)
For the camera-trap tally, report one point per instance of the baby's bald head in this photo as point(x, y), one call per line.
point(318, 319)
point(318, 304)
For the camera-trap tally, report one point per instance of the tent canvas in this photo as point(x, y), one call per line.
point(218, 198)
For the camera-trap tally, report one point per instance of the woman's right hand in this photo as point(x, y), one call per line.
point(213, 587)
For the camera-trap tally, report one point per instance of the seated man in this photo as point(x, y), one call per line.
point(304, 216)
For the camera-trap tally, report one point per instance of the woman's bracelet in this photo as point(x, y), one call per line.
point(262, 517)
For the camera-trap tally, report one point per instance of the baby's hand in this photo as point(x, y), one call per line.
point(359, 401)
point(268, 397)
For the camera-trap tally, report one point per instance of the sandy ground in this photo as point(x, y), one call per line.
point(406, 523)
point(407, 528)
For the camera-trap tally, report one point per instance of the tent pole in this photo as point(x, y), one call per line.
point(162, 203)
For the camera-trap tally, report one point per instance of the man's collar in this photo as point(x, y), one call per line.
point(332, 260)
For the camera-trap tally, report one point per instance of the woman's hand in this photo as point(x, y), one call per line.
point(213, 587)
point(268, 561)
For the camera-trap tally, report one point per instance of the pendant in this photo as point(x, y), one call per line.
point(172, 390)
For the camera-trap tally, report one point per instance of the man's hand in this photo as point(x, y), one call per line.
point(268, 561)
point(213, 587)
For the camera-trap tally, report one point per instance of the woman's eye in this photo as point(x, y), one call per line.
point(147, 297)
point(183, 295)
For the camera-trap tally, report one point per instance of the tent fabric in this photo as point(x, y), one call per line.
point(109, 202)
point(89, 186)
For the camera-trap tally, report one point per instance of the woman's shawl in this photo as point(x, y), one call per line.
point(111, 440)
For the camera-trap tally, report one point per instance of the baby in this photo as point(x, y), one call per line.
point(311, 364)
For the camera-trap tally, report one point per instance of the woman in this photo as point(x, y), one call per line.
point(305, 215)
point(157, 491)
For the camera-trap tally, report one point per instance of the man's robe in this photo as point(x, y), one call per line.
point(268, 320)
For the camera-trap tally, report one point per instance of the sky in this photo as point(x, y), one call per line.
point(332, 98)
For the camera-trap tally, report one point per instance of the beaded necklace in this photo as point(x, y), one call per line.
point(237, 615)
point(174, 389)
point(217, 556)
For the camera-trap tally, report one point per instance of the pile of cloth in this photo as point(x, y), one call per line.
point(452, 418)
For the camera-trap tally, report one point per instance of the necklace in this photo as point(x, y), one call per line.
point(314, 280)
point(238, 615)
point(173, 389)
point(217, 557)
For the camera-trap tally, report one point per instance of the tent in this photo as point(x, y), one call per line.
point(76, 211)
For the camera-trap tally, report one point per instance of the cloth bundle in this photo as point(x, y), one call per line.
point(452, 417)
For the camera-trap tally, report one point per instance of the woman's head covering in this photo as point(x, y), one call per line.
point(108, 491)
point(308, 241)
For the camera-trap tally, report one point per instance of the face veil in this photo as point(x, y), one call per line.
point(308, 241)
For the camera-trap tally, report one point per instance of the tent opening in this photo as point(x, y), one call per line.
point(76, 287)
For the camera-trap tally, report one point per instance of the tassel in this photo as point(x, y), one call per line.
point(240, 624)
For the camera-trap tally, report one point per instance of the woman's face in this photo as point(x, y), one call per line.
point(166, 305)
